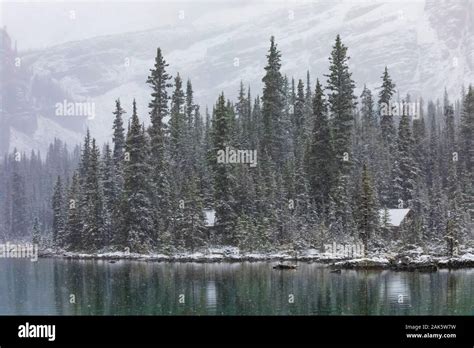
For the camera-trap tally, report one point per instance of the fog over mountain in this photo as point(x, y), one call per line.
point(427, 45)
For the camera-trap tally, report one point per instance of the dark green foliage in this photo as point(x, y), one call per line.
point(325, 169)
point(386, 111)
point(341, 103)
point(58, 216)
point(367, 213)
point(223, 185)
point(272, 106)
point(319, 158)
point(137, 217)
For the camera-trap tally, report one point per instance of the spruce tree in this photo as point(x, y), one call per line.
point(189, 105)
point(433, 145)
point(367, 110)
point(341, 103)
point(74, 216)
point(93, 233)
point(367, 210)
point(467, 131)
point(244, 116)
point(18, 212)
point(137, 221)
point(85, 155)
point(116, 171)
point(455, 224)
point(224, 203)
point(466, 153)
point(58, 216)
point(437, 208)
point(36, 232)
point(178, 119)
point(319, 158)
point(404, 180)
point(299, 122)
point(257, 125)
point(308, 95)
point(420, 144)
point(118, 138)
point(272, 105)
point(341, 106)
point(387, 125)
point(110, 196)
point(159, 82)
point(191, 228)
point(450, 128)
point(207, 184)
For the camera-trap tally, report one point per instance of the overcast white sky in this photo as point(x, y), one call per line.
point(38, 24)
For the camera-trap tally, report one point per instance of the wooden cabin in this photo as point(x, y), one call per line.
point(393, 221)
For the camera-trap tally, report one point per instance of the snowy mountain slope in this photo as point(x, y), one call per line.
point(427, 45)
point(42, 137)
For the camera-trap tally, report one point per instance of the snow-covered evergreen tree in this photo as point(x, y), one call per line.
point(319, 157)
point(466, 153)
point(223, 186)
point(177, 121)
point(110, 196)
point(18, 212)
point(58, 217)
point(74, 216)
point(387, 125)
point(367, 214)
point(405, 168)
point(341, 102)
point(137, 216)
point(367, 109)
point(299, 122)
point(272, 106)
point(93, 232)
point(36, 232)
point(118, 135)
point(159, 82)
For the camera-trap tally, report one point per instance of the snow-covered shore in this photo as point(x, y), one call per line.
point(406, 261)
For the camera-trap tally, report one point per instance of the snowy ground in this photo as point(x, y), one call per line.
point(408, 260)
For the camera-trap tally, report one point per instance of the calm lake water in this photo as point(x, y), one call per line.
point(148, 288)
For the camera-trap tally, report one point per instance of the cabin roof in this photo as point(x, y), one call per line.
point(395, 216)
point(209, 217)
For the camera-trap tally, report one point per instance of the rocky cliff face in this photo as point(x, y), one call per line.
point(27, 112)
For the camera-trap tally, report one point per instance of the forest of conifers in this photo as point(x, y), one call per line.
point(328, 161)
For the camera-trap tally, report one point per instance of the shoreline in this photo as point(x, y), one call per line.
point(396, 262)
